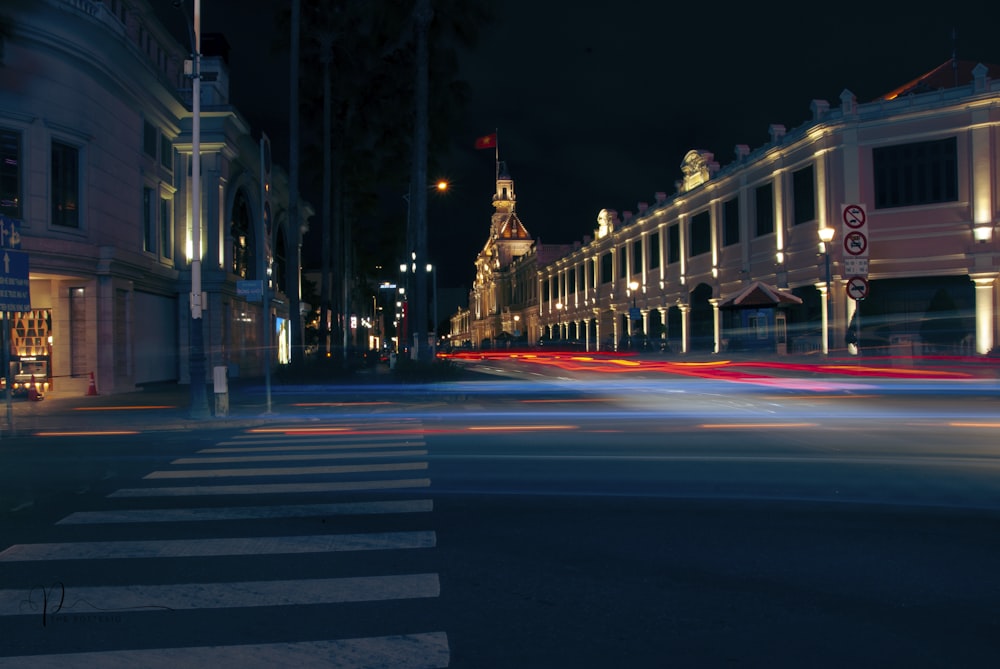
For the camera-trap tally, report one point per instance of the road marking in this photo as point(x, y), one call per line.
point(179, 548)
point(308, 445)
point(285, 457)
point(196, 596)
point(407, 651)
point(284, 471)
point(753, 426)
point(247, 512)
point(271, 488)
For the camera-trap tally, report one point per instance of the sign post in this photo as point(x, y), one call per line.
point(15, 295)
point(856, 245)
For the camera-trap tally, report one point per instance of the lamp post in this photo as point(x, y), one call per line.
point(825, 237)
point(431, 269)
point(196, 352)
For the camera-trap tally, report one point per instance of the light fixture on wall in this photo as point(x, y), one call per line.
point(982, 233)
point(780, 257)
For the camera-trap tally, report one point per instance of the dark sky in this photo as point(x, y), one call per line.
point(596, 103)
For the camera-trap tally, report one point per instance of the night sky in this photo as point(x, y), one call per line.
point(596, 103)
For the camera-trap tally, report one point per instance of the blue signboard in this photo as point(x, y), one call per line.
point(14, 293)
point(10, 232)
point(250, 289)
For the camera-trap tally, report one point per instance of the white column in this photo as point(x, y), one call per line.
point(985, 312)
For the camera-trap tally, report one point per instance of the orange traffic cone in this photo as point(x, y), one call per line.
point(92, 389)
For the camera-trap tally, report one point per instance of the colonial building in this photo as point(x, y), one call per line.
point(96, 142)
point(504, 296)
point(876, 217)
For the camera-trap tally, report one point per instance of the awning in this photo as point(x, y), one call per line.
point(759, 294)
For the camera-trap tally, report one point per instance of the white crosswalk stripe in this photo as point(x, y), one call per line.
point(410, 651)
point(377, 456)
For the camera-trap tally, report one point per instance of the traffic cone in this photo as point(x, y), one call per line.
point(92, 389)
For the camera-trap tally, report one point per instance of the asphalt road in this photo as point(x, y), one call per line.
point(627, 524)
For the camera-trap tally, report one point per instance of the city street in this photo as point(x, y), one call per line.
point(576, 519)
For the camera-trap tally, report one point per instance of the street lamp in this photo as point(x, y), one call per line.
point(196, 353)
point(825, 237)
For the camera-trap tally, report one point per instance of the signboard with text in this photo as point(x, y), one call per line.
point(14, 285)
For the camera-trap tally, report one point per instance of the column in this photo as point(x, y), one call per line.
point(985, 312)
point(716, 324)
point(685, 326)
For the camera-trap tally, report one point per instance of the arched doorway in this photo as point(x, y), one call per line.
point(702, 324)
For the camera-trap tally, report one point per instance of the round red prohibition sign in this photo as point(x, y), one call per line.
point(854, 216)
point(855, 243)
point(857, 287)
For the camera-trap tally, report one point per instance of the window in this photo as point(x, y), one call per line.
point(606, 264)
point(915, 174)
point(804, 195)
point(166, 153)
point(571, 281)
point(148, 219)
point(731, 222)
point(764, 202)
point(701, 233)
point(622, 261)
point(10, 173)
point(637, 256)
point(654, 250)
point(673, 244)
point(149, 135)
point(166, 228)
point(65, 185)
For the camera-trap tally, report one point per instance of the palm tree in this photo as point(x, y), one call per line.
point(364, 94)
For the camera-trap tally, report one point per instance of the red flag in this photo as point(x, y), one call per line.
point(487, 141)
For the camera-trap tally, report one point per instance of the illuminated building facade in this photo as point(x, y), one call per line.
point(96, 141)
point(733, 259)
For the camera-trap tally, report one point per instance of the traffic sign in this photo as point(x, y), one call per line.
point(10, 232)
point(856, 248)
point(14, 285)
point(854, 215)
point(856, 244)
point(857, 287)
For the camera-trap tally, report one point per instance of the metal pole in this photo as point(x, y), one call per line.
point(829, 296)
point(199, 398)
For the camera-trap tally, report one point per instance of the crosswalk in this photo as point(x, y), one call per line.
point(205, 538)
